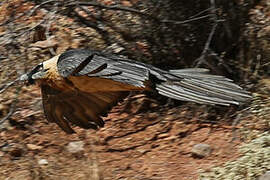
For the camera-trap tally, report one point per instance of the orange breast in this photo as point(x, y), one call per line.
point(95, 84)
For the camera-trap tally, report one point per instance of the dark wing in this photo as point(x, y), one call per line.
point(81, 109)
point(194, 84)
point(95, 64)
point(73, 61)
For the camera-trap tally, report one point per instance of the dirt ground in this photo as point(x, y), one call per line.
point(150, 145)
point(142, 138)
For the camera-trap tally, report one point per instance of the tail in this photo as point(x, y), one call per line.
point(197, 85)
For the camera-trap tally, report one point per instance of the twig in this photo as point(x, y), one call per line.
point(235, 122)
point(38, 6)
point(185, 21)
point(85, 21)
point(121, 8)
point(205, 52)
point(12, 107)
point(210, 37)
point(50, 18)
point(266, 64)
point(206, 49)
point(89, 13)
point(28, 13)
point(93, 25)
point(11, 111)
point(30, 29)
point(13, 18)
point(203, 11)
point(115, 7)
point(6, 86)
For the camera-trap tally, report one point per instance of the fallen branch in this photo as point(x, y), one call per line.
point(185, 21)
point(13, 104)
point(10, 113)
point(127, 9)
point(6, 86)
point(51, 16)
point(206, 50)
point(114, 7)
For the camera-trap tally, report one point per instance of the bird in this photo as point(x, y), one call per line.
point(80, 86)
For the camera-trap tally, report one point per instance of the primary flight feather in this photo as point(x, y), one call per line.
point(80, 86)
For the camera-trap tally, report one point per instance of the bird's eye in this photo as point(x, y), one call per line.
point(38, 68)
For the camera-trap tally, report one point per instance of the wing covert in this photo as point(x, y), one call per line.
point(78, 62)
point(95, 64)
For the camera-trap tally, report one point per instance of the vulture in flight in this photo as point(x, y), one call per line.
point(80, 86)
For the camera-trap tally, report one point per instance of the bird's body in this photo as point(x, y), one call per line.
point(79, 86)
point(83, 83)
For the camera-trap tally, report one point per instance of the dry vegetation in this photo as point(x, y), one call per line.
point(229, 37)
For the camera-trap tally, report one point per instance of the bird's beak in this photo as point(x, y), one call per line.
point(39, 75)
point(30, 77)
point(24, 77)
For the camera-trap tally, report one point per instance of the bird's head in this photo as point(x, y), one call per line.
point(40, 72)
point(37, 72)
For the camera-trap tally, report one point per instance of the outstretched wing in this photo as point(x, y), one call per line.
point(79, 108)
point(194, 84)
point(82, 62)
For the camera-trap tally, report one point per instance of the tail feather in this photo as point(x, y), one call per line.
point(198, 86)
point(188, 95)
point(198, 73)
point(205, 90)
point(212, 87)
point(189, 71)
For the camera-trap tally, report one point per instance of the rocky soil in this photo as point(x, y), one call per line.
point(144, 138)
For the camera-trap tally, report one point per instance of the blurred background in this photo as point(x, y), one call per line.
point(145, 137)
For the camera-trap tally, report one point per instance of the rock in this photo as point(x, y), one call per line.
point(45, 44)
point(75, 146)
point(33, 147)
point(43, 162)
point(266, 176)
point(16, 152)
point(13, 149)
point(201, 150)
